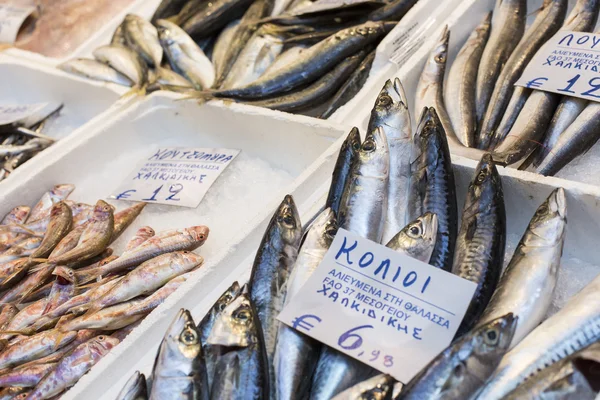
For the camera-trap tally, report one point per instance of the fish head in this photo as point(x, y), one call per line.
point(485, 185)
point(17, 214)
point(103, 211)
point(435, 67)
point(227, 297)
point(8, 308)
point(185, 257)
point(352, 141)
point(417, 238)
point(64, 275)
point(198, 234)
point(285, 224)
point(236, 325)
point(374, 154)
point(547, 227)
point(429, 142)
point(61, 191)
point(168, 32)
point(60, 209)
point(100, 345)
point(181, 345)
point(492, 340)
point(145, 232)
point(391, 110)
point(323, 229)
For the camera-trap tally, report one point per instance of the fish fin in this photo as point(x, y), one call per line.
point(91, 310)
point(24, 332)
point(40, 267)
point(201, 96)
point(135, 91)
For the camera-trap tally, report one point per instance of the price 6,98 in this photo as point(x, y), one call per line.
point(350, 340)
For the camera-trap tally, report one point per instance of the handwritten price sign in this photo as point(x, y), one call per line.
point(568, 64)
point(11, 19)
point(380, 307)
point(177, 176)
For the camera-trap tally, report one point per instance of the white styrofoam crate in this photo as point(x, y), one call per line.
point(98, 159)
point(27, 82)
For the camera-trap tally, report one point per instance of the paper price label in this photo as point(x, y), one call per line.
point(11, 19)
point(380, 307)
point(568, 64)
point(177, 176)
point(14, 113)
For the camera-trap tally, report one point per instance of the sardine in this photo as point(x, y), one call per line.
point(135, 388)
point(379, 387)
point(480, 245)
point(417, 239)
point(432, 186)
point(341, 172)
point(125, 61)
point(142, 37)
point(527, 286)
point(209, 17)
point(270, 275)
point(460, 370)
point(297, 355)
point(391, 114)
point(362, 209)
point(179, 371)
point(96, 70)
point(459, 91)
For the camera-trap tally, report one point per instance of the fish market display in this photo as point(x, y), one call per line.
point(279, 54)
point(520, 127)
point(66, 301)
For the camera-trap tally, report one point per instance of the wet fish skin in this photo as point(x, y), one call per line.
point(513, 109)
point(361, 210)
point(168, 8)
point(135, 388)
point(341, 172)
point(142, 37)
point(95, 70)
point(391, 114)
point(23, 288)
point(118, 37)
point(26, 376)
point(7, 313)
point(432, 186)
point(271, 270)
point(179, 371)
point(25, 317)
point(124, 218)
point(21, 249)
point(11, 393)
point(297, 355)
point(572, 328)
point(459, 371)
point(527, 285)
point(68, 242)
point(379, 387)
point(417, 239)
point(37, 346)
point(17, 215)
point(393, 11)
point(350, 88)
point(125, 61)
point(480, 245)
point(61, 219)
point(166, 78)
point(508, 26)
point(58, 193)
point(62, 290)
point(460, 87)
point(210, 17)
point(144, 233)
point(73, 366)
point(221, 46)
point(242, 373)
point(547, 22)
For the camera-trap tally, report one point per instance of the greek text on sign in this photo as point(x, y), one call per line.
point(15, 113)
point(177, 176)
point(381, 307)
point(11, 19)
point(568, 64)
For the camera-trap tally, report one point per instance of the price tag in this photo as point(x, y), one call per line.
point(568, 64)
point(178, 176)
point(16, 113)
point(11, 19)
point(381, 307)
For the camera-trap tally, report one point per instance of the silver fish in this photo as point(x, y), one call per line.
point(142, 37)
point(134, 389)
point(125, 61)
point(379, 387)
point(96, 70)
point(221, 46)
point(417, 239)
point(527, 285)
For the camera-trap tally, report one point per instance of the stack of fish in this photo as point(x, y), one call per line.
point(397, 188)
point(481, 109)
point(23, 139)
point(295, 56)
point(65, 300)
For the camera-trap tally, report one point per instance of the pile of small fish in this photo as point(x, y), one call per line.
point(21, 140)
point(481, 109)
point(397, 188)
point(66, 300)
point(287, 55)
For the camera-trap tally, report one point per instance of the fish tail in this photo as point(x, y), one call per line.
point(201, 96)
point(135, 91)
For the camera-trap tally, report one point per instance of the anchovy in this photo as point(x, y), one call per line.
point(179, 371)
point(210, 17)
point(527, 286)
point(547, 22)
point(135, 388)
point(125, 61)
point(242, 373)
point(212, 353)
point(350, 88)
point(479, 254)
point(379, 387)
point(459, 93)
point(32, 145)
point(432, 186)
point(460, 370)
point(317, 92)
point(508, 27)
point(391, 114)
point(297, 355)
point(96, 70)
point(341, 172)
point(417, 239)
point(572, 328)
point(271, 271)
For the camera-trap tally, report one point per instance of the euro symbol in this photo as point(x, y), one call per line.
point(300, 323)
point(534, 82)
point(125, 194)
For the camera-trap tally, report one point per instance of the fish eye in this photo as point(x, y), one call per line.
point(491, 337)
point(189, 336)
point(243, 315)
point(288, 220)
point(415, 231)
point(481, 177)
point(368, 145)
point(385, 100)
point(542, 209)
point(458, 370)
point(440, 58)
point(331, 229)
point(101, 337)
